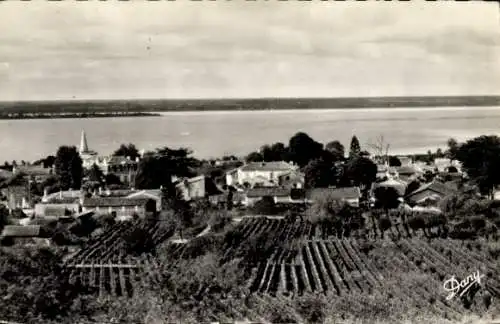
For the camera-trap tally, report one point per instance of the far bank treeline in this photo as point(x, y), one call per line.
point(151, 105)
point(323, 165)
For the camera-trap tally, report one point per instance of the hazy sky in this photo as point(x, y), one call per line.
point(143, 49)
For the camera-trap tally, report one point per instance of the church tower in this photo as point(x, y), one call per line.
point(83, 144)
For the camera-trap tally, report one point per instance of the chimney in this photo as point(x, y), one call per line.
point(60, 194)
point(100, 191)
point(45, 192)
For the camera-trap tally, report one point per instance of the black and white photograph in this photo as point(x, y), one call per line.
point(249, 162)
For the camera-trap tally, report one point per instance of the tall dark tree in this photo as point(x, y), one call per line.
point(386, 198)
point(127, 150)
point(319, 173)
point(254, 157)
point(361, 171)
point(95, 174)
point(354, 148)
point(453, 148)
point(394, 161)
point(68, 168)
point(156, 169)
point(303, 148)
point(336, 149)
point(480, 158)
point(275, 152)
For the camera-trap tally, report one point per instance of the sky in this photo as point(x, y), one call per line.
point(235, 49)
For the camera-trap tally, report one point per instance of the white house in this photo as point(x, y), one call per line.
point(259, 173)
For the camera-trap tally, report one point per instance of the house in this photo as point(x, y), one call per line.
point(349, 195)
point(430, 194)
point(26, 235)
point(34, 173)
point(61, 195)
point(123, 207)
point(405, 160)
point(292, 179)
point(221, 199)
point(444, 164)
point(58, 207)
point(398, 185)
point(279, 195)
point(17, 196)
point(408, 173)
point(154, 194)
point(259, 173)
point(197, 187)
point(122, 166)
point(15, 231)
point(382, 172)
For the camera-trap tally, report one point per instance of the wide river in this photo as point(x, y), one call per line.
point(212, 134)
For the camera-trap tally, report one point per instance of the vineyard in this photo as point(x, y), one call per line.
point(298, 261)
point(294, 258)
point(104, 263)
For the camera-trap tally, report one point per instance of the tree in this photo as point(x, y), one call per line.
point(156, 169)
point(355, 148)
point(4, 217)
point(319, 174)
point(303, 149)
point(336, 149)
point(480, 158)
point(394, 161)
point(95, 174)
point(127, 150)
point(68, 167)
point(275, 152)
point(380, 147)
point(361, 171)
point(453, 148)
point(254, 157)
point(386, 198)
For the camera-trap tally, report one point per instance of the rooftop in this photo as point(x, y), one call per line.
point(21, 231)
point(272, 191)
point(267, 166)
point(435, 186)
point(335, 193)
point(114, 202)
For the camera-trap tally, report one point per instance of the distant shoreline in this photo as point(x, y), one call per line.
point(36, 115)
point(147, 107)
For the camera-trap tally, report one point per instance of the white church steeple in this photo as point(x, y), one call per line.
point(83, 143)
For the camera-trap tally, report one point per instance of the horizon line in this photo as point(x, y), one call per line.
point(247, 98)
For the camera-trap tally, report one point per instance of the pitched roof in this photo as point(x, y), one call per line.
point(145, 194)
point(435, 186)
point(114, 202)
point(272, 191)
point(32, 170)
point(267, 166)
point(62, 195)
point(115, 159)
point(406, 169)
point(21, 231)
point(335, 193)
point(55, 211)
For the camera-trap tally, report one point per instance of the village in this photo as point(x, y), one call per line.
point(284, 225)
point(244, 183)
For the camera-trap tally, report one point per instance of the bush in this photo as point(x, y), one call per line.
point(265, 206)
